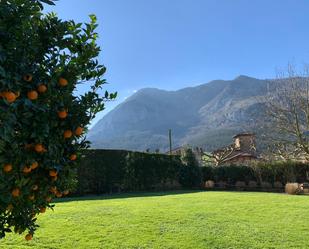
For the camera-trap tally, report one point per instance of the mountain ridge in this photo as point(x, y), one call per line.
point(196, 115)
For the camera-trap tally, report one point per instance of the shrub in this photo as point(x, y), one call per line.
point(209, 184)
point(42, 59)
point(190, 173)
point(292, 188)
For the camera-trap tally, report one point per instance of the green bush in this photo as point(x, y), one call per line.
point(190, 172)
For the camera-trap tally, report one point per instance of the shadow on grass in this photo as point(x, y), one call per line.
point(125, 195)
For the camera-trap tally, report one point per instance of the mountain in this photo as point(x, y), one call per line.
point(207, 115)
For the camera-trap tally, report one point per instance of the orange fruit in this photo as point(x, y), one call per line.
point(31, 197)
point(34, 165)
point(39, 148)
point(53, 173)
point(7, 168)
point(58, 194)
point(42, 88)
point(9, 96)
point(42, 210)
point(16, 192)
point(66, 192)
point(62, 114)
point(73, 157)
point(62, 81)
point(27, 77)
point(35, 187)
point(32, 95)
point(28, 237)
point(78, 131)
point(26, 169)
point(67, 134)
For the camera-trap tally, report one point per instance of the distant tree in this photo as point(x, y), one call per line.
point(217, 157)
point(157, 151)
point(287, 104)
point(190, 173)
point(42, 121)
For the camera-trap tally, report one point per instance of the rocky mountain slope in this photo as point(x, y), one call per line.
point(206, 115)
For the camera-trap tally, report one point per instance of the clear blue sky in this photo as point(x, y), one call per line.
point(171, 44)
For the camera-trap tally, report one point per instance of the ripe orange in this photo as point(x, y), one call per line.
point(31, 197)
point(28, 237)
point(67, 134)
point(62, 114)
point(16, 192)
point(48, 199)
point(26, 169)
point(42, 88)
point(53, 173)
point(9, 96)
point(66, 192)
point(32, 95)
point(34, 165)
point(62, 81)
point(58, 194)
point(35, 187)
point(27, 77)
point(73, 157)
point(42, 210)
point(78, 131)
point(7, 168)
point(39, 148)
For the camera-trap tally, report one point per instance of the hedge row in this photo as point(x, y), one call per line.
point(106, 171)
point(282, 172)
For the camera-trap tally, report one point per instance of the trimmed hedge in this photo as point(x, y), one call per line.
point(107, 171)
point(282, 172)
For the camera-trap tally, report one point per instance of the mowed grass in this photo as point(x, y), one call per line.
point(174, 220)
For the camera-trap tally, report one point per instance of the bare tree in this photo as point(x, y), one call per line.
point(287, 105)
point(218, 156)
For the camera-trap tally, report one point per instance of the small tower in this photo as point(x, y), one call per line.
point(245, 142)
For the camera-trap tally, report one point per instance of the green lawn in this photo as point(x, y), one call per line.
point(174, 220)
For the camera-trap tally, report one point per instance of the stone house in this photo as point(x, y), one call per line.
point(241, 152)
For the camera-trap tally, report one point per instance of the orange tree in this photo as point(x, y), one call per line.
point(42, 60)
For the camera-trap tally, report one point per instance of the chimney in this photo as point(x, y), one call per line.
point(245, 142)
